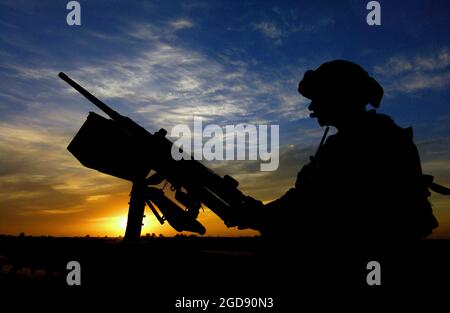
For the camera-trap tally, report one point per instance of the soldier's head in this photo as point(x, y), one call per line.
point(339, 91)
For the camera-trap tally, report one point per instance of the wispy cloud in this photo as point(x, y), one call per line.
point(151, 32)
point(39, 176)
point(172, 83)
point(166, 64)
point(268, 29)
point(181, 24)
point(51, 212)
point(267, 186)
point(416, 73)
point(401, 65)
point(160, 84)
point(287, 23)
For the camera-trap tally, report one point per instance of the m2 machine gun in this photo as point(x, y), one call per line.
point(120, 147)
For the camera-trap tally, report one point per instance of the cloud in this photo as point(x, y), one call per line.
point(421, 81)
point(181, 24)
point(171, 84)
point(143, 31)
point(266, 186)
point(159, 83)
point(417, 73)
point(268, 29)
point(166, 83)
point(152, 32)
point(195, 5)
point(52, 212)
point(434, 154)
point(285, 23)
point(400, 65)
point(39, 176)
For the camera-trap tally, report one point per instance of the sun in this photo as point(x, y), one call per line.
point(122, 223)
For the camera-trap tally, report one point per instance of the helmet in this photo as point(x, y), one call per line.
point(343, 81)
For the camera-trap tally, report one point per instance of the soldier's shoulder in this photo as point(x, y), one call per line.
point(381, 120)
point(384, 124)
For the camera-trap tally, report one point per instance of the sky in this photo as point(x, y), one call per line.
point(163, 62)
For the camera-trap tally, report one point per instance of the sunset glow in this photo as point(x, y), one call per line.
point(228, 62)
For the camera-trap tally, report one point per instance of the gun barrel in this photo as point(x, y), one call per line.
point(98, 103)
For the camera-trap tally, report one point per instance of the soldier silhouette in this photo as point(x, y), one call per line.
point(365, 182)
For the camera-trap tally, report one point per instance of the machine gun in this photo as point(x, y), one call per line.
point(120, 147)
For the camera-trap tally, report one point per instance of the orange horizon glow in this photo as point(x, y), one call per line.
point(109, 218)
point(106, 215)
point(103, 212)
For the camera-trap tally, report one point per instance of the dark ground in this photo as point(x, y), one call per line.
point(155, 272)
